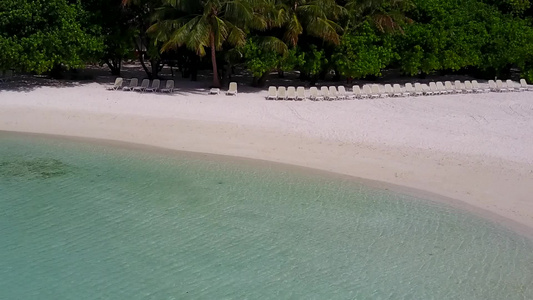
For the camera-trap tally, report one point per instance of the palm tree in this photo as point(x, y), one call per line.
point(200, 24)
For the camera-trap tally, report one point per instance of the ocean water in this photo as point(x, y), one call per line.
point(80, 220)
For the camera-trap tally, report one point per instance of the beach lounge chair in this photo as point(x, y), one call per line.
point(501, 87)
point(169, 87)
point(156, 83)
point(232, 91)
point(388, 90)
point(477, 87)
point(144, 84)
point(134, 82)
point(324, 91)
point(433, 88)
point(357, 93)
point(524, 86)
point(512, 86)
point(282, 93)
point(333, 94)
point(382, 92)
point(342, 92)
point(314, 95)
point(118, 84)
point(300, 93)
point(367, 91)
point(419, 90)
point(449, 87)
point(291, 93)
point(397, 90)
point(441, 88)
point(468, 87)
point(459, 87)
point(492, 86)
point(375, 93)
point(410, 89)
point(214, 91)
point(426, 90)
point(272, 93)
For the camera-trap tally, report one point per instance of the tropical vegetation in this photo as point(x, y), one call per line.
point(352, 39)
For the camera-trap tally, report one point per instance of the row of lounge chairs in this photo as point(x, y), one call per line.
point(388, 90)
point(156, 86)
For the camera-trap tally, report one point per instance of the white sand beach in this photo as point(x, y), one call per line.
point(475, 148)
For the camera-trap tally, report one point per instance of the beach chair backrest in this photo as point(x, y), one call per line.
point(300, 92)
point(291, 91)
point(342, 90)
point(440, 86)
point(118, 81)
point(367, 89)
point(170, 84)
point(499, 84)
point(324, 91)
point(134, 82)
point(156, 83)
point(145, 83)
point(375, 89)
point(458, 85)
point(232, 87)
point(313, 92)
point(492, 84)
point(272, 91)
point(449, 86)
point(433, 86)
point(475, 84)
point(356, 90)
point(333, 91)
point(388, 89)
point(409, 87)
point(397, 88)
point(282, 92)
point(418, 87)
point(510, 83)
point(523, 82)
point(468, 85)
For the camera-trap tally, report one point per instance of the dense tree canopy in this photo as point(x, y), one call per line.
point(354, 38)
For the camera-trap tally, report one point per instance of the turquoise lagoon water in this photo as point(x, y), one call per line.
point(87, 221)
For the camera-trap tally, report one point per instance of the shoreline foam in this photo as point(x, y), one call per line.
point(456, 157)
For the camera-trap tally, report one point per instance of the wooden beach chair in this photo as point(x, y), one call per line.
point(144, 84)
point(282, 93)
point(272, 93)
point(291, 93)
point(169, 87)
point(134, 82)
point(300, 93)
point(156, 83)
point(232, 91)
point(117, 85)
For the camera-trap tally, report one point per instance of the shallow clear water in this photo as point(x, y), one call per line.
point(85, 221)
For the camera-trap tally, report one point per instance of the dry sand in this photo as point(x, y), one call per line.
point(476, 148)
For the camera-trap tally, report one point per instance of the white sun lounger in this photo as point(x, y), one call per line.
point(232, 90)
point(433, 88)
point(419, 90)
point(342, 92)
point(333, 94)
point(512, 86)
point(375, 93)
point(500, 86)
point(388, 90)
point(382, 92)
point(314, 95)
point(449, 87)
point(492, 86)
point(118, 84)
point(134, 82)
point(144, 84)
point(410, 89)
point(282, 93)
point(357, 93)
point(441, 88)
point(272, 93)
point(426, 90)
point(459, 87)
point(367, 91)
point(469, 88)
point(156, 83)
point(524, 86)
point(214, 91)
point(169, 87)
point(300, 93)
point(477, 87)
point(291, 93)
point(324, 91)
point(397, 90)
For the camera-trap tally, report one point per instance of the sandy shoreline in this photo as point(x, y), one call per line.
point(474, 148)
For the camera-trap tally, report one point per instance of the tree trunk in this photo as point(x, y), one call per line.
point(216, 80)
point(115, 66)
